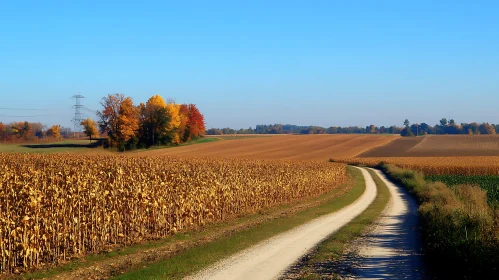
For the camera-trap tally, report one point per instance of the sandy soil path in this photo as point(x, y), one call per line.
point(392, 250)
point(270, 258)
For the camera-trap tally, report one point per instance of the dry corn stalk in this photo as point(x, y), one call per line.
point(56, 207)
point(436, 165)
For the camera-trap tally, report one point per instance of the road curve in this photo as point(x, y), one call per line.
point(268, 259)
point(393, 249)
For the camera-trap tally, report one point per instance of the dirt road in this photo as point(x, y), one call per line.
point(393, 249)
point(270, 258)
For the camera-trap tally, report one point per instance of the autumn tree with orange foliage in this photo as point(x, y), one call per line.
point(195, 125)
point(173, 111)
point(154, 123)
point(184, 121)
point(54, 132)
point(22, 130)
point(119, 119)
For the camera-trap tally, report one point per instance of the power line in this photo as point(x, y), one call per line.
point(28, 116)
point(90, 110)
point(23, 109)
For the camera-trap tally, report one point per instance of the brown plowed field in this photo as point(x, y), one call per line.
point(397, 148)
point(296, 147)
point(438, 146)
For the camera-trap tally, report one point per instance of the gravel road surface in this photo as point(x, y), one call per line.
point(268, 259)
point(392, 250)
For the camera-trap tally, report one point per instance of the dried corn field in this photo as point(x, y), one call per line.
point(436, 165)
point(57, 207)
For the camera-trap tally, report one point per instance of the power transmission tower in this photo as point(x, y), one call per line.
point(78, 115)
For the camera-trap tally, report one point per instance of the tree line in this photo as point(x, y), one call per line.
point(443, 127)
point(448, 127)
point(297, 129)
point(154, 123)
point(30, 131)
point(126, 126)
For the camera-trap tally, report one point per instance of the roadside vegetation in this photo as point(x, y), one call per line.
point(460, 229)
point(489, 183)
point(460, 221)
point(457, 165)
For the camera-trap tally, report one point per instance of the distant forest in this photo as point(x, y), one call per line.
point(443, 127)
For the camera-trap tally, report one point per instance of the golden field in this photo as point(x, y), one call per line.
point(487, 165)
point(55, 207)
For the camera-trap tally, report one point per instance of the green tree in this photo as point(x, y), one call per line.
point(443, 122)
point(406, 132)
point(424, 128)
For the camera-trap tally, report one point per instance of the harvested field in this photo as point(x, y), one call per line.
point(296, 147)
point(435, 165)
point(438, 146)
point(396, 148)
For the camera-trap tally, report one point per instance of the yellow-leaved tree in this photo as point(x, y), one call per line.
point(54, 131)
point(175, 121)
point(128, 122)
point(154, 121)
point(160, 121)
point(90, 128)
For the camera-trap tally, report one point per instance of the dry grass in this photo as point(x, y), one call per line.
point(435, 165)
point(295, 147)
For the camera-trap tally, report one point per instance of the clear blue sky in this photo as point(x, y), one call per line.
point(252, 62)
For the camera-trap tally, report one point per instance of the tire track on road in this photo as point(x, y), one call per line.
point(268, 259)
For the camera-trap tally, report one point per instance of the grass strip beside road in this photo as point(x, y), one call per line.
point(460, 230)
point(200, 257)
point(333, 248)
